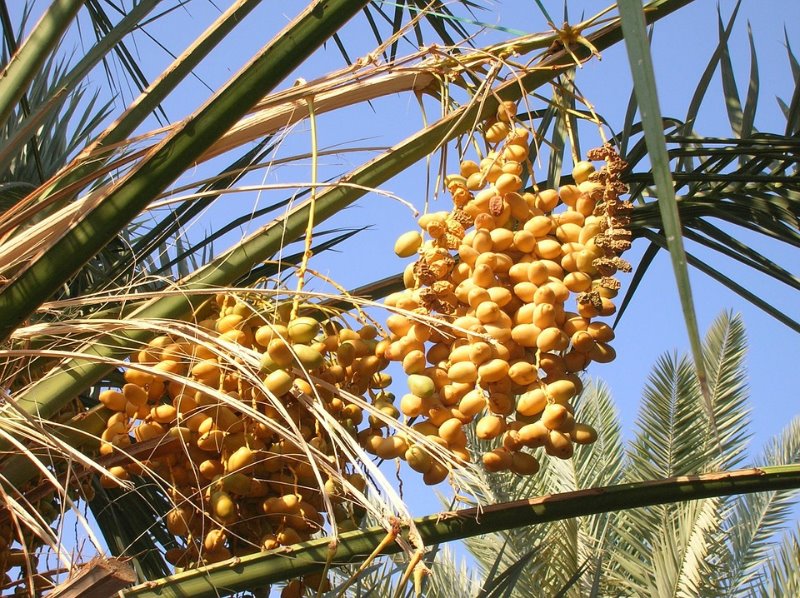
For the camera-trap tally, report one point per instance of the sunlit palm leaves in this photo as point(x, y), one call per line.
point(781, 578)
point(755, 520)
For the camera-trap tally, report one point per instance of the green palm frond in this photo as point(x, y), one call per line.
point(444, 574)
point(644, 83)
point(57, 135)
point(505, 551)
point(120, 56)
point(724, 351)
point(506, 582)
point(70, 85)
point(452, 29)
point(756, 519)
point(22, 67)
point(144, 243)
point(673, 430)
point(791, 110)
point(563, 546)
point(378, 579)
point(746, 181)
point(781, 578)
point(669, 437)
point(132, 527)
point(664, 550)
point(561, 554)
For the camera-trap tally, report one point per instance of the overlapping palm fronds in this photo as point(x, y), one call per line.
point(95, 259)
point(727, 188)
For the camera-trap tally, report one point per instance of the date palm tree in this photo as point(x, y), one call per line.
point(99, 254)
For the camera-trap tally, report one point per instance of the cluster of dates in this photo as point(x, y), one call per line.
point(501, 303)
point(238, 485)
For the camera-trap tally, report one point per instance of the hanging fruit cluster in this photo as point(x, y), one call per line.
point(508, 285)
point(238, 485)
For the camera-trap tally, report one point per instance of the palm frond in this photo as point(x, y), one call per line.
point(504, 551)
point(716, 178)
point(598, 464)
point(69, 86)
point(748, 181)
point(378, 579)
point(563, 549)
point(674, 435)
point(705, 78)
point(723, 352)
point(508, 581)
point(34, 51)
point(60, 127)
point(755, 520)
point(132, 527)
point(681, 548)
point(449, 574)
point(781, 577)
point(641, 61)
point(669, 428)
point(602, 462)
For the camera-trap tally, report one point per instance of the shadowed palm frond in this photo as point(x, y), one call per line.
point(505, 551)
point(725, 187)
point(57, 135)
point(644, 84)
point(132, 525)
